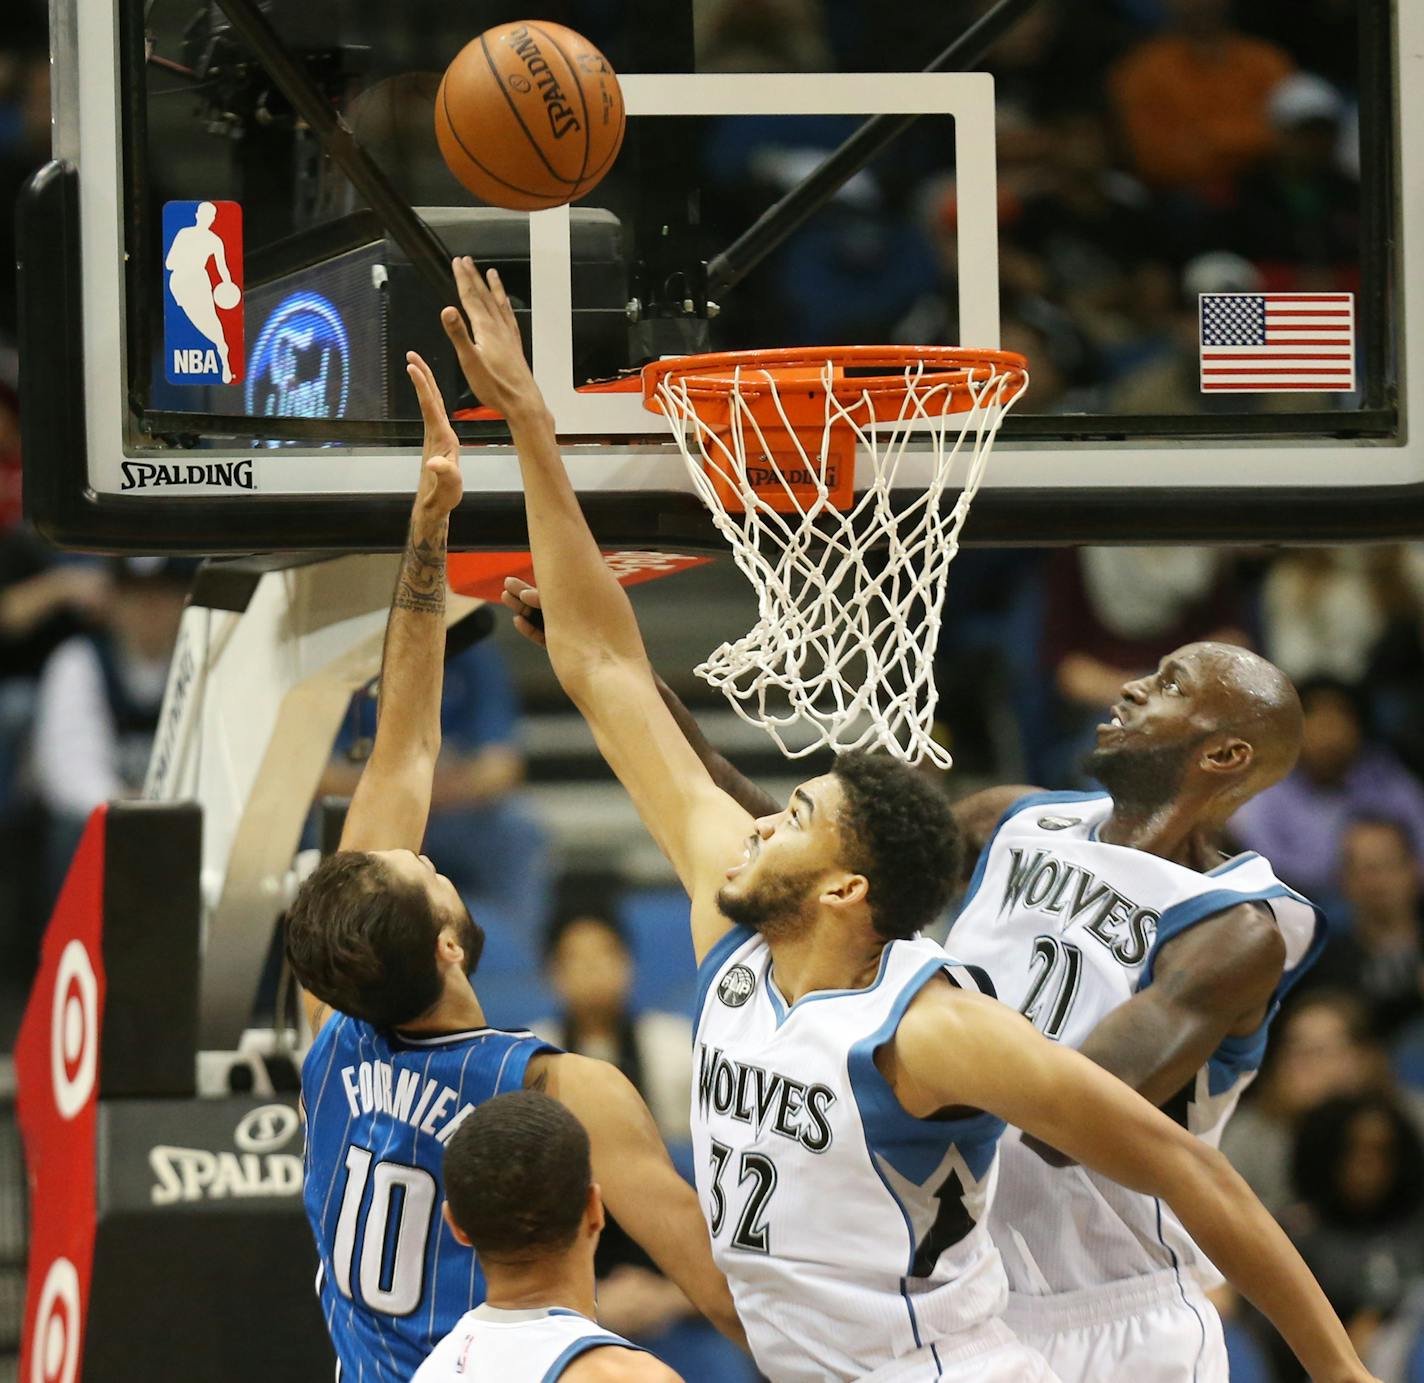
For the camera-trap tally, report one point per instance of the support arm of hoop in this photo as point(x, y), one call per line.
point(724, 772)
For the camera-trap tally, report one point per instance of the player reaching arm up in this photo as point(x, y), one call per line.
point(830, 914)
point(384, 950)
point(593, 639)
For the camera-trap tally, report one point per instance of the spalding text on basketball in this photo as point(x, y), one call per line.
point(561, 114)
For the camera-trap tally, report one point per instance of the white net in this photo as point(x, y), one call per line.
point(848, 601)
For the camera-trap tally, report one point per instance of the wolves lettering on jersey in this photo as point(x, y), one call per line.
point(753, 1096)
point(851, 1234)
point(1069, 928)
point(1039, 881)
point(379, 1110)
point(490, 1345)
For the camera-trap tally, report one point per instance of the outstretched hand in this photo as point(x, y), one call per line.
point(523, 599)
point(490, 349)
point(441, 485)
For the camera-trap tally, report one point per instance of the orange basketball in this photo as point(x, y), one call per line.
point(529, 115)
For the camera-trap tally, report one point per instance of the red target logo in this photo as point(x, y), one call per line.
point(54, 1357)
point(74, 1031)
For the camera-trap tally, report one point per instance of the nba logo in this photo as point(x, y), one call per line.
point(202, 292)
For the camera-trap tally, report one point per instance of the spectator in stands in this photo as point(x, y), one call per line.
point(1112, 613)
point(1325, 610)
point(1323, 35)
point(1298, 824)
point(590, 966)
point(99, 699)
point(1161, 372)
point(1358, 1166)
point(1298, 214)
point(489, 841)
point(761, 36)
point(1193, 102)
point(1088, 224)
point(24, 132)
point(1321, 1048)
point(1377, 947)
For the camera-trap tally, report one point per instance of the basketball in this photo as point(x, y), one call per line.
point(529, 115)
point(226, 296)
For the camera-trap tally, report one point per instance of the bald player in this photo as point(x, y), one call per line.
point(1108, 919)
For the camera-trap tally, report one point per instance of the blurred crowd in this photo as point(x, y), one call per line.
point(1148, 151)
point(1151, 151)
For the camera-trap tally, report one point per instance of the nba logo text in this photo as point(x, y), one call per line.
point(202, 292)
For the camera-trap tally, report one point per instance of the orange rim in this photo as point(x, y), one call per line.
point(801, 369)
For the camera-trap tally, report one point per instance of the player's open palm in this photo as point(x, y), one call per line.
point(441, 485)
point(490, 349)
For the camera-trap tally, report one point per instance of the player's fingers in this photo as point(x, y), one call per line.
point(530, 632)
point(518, 586)
point(503, 306)
point(427, 391)
point(473, 286)
point(459, 335)
point(472, 293)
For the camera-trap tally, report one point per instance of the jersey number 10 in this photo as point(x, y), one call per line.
point(391, 1273)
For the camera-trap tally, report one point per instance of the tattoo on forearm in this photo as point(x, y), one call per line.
point(421, 587)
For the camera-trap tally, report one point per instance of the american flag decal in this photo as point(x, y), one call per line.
point(1262, 343)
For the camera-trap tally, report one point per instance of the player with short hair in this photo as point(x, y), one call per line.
point(851, 1082)
point(519, 1191)
point(384, 947)
point(1103, 918)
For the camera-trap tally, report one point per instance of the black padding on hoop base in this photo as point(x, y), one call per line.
point(152, 927)
point(203, 1259)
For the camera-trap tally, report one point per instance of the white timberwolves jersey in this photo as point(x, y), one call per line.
point(850, 1233)
point(489, 1345)
point(1067, 928)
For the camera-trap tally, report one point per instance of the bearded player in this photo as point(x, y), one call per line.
point(1102, 917)
point(384, 947)
point(852, 1082)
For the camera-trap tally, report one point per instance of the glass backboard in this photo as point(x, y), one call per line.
point(1217, 296)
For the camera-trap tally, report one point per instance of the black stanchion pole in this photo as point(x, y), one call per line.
point(421, 245)
point(820, 185)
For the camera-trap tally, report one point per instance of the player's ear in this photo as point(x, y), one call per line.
point(460, 1235)
point(593, 1211)
point(845, 890)
point(1232, 756)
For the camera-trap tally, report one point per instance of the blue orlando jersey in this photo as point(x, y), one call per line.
point(380, 1109)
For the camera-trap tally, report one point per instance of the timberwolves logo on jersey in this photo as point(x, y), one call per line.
point(736, 986)
point(202, 292)
point(301, 364)
point(1039, 881)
